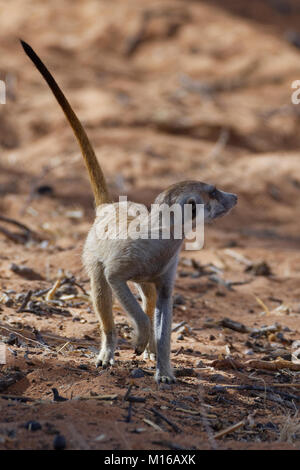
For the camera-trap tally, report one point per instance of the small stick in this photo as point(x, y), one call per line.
point(164, 418)
point(42, 292)
point(25, 301)
point(85, 298)
point(14, 397)
point(18, 224)
point(127, 392)
point(289, 385)
point(129, 414)
point(155, 426)
point(24, 337)
point(12, 236)
point(196, 412)
point(238, 257)
point(228, 284)
point(52, 291)
point(62, 347)
point(176, 328)
point(80, 287)
point(264, 330)
point(98, 397)
point(259, 388)
point(179, 351)
point(230, 429)
point(255, 364)
point(133, 399)
point(235, 325)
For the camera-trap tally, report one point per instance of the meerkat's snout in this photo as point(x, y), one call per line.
point(219, 204)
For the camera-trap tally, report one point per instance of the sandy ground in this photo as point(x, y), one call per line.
point(167, 91)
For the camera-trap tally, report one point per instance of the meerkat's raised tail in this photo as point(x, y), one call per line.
point(97, 179)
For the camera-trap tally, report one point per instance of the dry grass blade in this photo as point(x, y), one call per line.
point(263, 305)
point(52, 291)
point(290, 429)
point(98, 397)
point(153, 425)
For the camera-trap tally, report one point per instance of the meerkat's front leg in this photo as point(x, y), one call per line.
point(133, 309)
point(102, 302)
point(163, 323)
point(147, 292)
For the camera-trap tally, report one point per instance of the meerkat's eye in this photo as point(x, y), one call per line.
point(213, 194)
point(193, 204)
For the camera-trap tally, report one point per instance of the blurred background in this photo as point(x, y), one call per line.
point(167, 91)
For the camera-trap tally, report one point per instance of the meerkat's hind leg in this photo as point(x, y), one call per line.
point(102, 301)
point(133, 309)
point(147, 292)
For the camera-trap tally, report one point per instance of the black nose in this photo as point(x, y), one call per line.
point(235, 198)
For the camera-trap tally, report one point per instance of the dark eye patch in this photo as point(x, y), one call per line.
point(194, 209)
point(213, 194)
point(193, 205)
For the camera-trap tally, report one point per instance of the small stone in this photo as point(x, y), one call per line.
point(33, 426)
point(59, 442)
point(139, 430)
point(293, 37)
point(11, 340)
point(137, 373)
point(183, 274)
point(249, 352)
point(178, 299)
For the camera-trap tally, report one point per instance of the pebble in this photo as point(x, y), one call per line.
point(33, 425)
point(137, 373)
point(249, 352)
point(178, 299)
point(59, 442)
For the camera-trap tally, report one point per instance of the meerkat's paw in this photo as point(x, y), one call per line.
point(142, 337)
point(148, 355)
point(165, 377)
point(150, 351)
point(105, 358)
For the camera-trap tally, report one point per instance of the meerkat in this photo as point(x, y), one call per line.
point(149, 263)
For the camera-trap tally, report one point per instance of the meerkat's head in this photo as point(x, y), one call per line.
point(216, 203)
